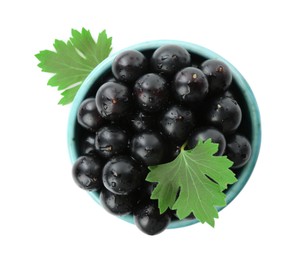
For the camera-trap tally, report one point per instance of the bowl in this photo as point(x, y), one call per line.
point(250, 126)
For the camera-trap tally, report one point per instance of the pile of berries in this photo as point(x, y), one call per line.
point(141, 113)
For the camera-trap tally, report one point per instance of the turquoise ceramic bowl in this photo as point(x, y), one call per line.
point(250, 127)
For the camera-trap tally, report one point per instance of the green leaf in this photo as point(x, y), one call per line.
point(193, 182)
point(68, 95)
point(72, 61)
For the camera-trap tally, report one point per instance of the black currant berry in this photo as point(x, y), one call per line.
point(145, 190)
point(129, 65)
point(141, 121)
point(88, 115)
point(122, 175)
point(169, 59)
point(171, 151)
point(203, 134)
point(229, 94)
point(218, 74)
point(190, 86)
point(176, 123)
point(87, 172)
point(111, 140)
point(151, 92)
point(238, 150)
point(113, 100)
point(148, 218)
point(148, 147)
point(225, 114)
point(87, 144)
point(117, 204)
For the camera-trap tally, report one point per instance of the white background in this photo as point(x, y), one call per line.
point(44, 215)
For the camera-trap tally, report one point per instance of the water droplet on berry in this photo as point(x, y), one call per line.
point(218, 106)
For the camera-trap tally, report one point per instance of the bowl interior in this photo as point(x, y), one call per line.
point(250, 125)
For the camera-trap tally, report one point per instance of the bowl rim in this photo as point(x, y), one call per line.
point(243, 85)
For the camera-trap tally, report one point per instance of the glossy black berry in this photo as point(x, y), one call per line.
point(151, 92)
point(148, 147)
point(169, 59)
point(218, 74)
point(229, 93)
point(117, 204)
point(148, 218)
point(111, 140)
point(142, 122)
point(88, 115)
point(129, 65)
point(87, 172)
point(225, 114)
point(145, 190)
point(122, 175)
point(171, 151)
point(176, 123)
point(190, 86)
point(203, 134)
point(238, 150)
point(113, 100)
point(87, 144)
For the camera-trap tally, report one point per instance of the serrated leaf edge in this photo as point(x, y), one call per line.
point(213, 150)
point(87, 69)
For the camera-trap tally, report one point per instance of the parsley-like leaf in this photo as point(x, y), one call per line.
point(193, 182)
point(72, 61)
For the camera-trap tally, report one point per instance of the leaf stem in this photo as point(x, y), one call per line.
point(183, 146)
